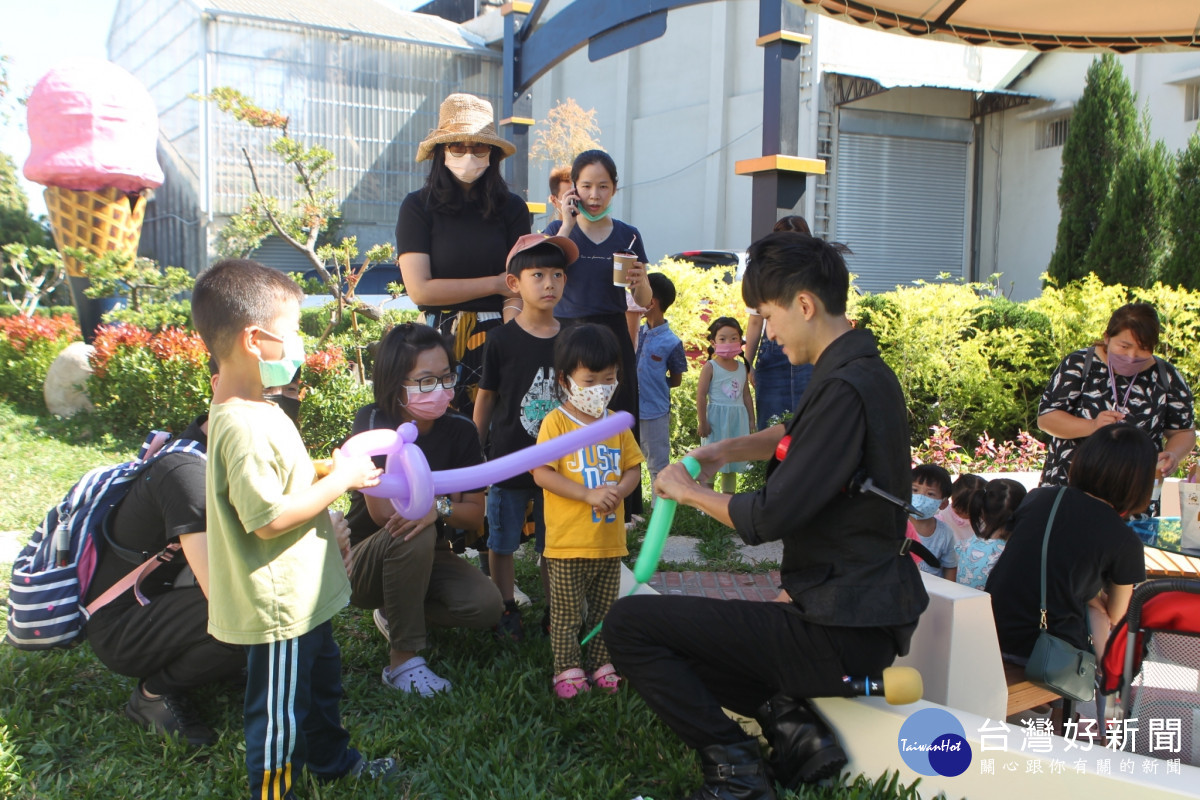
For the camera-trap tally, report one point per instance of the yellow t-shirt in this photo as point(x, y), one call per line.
point(573, 529)
point(265, 590)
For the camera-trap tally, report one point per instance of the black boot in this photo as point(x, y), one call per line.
point(734, 772)
point(804, 749)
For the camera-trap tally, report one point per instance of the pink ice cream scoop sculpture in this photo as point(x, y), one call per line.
point(408, 482)
point(92, 125)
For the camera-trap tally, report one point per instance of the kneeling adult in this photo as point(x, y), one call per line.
point(165, 644)
point(852, 594)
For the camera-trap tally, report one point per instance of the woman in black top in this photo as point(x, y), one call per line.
point(454, 234)
point(1093, 558)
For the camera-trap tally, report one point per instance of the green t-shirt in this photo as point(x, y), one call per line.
point(265, 590)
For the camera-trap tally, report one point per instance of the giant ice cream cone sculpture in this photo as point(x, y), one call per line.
point(94, 131)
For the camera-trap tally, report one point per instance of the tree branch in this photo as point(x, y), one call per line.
point(307, 250)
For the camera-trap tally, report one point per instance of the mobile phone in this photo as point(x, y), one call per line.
point(573, 203)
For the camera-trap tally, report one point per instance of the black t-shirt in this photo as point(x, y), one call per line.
point(451, 443)
point(1090, 546)
point(165, 502)
point(462, 245)
point(519, 367)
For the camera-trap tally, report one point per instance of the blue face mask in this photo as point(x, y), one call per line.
point(926, 506)
point(281, 371)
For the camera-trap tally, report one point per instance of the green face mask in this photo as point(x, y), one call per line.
point(597, 217)
point(280, 372)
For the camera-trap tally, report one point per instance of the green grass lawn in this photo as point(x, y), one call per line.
point(499, 734)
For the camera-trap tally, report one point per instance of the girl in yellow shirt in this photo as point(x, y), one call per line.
point(584, 492)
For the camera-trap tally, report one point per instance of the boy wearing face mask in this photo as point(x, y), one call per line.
point(930, 494)
point(276, 571)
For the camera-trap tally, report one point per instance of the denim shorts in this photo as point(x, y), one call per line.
point(506, 518)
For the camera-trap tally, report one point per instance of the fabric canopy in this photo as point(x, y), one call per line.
point(1118, 25)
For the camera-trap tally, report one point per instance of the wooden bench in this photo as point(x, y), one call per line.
point(1023, 695)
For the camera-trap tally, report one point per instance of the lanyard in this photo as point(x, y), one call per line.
point(1122, 406)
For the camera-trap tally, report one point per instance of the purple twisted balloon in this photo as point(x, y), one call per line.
point(408, 482)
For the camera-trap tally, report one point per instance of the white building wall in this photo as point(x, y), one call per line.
point(1019, 198)
point(676, 113)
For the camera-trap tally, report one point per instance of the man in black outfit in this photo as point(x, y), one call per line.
point(851, 594)
point(165, 644)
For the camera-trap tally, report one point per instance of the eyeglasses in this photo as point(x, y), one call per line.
point(461, 149)
point(431, 382)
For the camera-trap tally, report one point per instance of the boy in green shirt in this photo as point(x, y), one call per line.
point(277, 571)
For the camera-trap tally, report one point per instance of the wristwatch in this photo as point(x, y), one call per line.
point(444, 507)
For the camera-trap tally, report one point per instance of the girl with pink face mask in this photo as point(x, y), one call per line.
point(724, 408)
point(1118, 379)
point(404, 570)
point(454, 234)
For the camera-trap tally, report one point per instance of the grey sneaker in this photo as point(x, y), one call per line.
point(377, 769)
point(169, 715)
point(381, 623)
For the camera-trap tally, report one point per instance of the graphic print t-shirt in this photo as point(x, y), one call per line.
point(574, 529)
point(519, 367)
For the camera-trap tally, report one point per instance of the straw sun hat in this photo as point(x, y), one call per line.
point(464, 117)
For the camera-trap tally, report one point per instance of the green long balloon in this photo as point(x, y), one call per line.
point(656, 532)
point(656, 538)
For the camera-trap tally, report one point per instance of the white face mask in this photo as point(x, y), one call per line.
point(591, 400)
point(467, 167)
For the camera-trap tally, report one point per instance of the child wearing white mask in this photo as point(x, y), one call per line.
point(585, 537)
point(931, 494)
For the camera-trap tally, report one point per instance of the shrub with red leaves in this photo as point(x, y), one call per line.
point(143, 380)
point(28, 346)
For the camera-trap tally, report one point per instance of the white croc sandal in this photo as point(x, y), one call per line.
point(414, 676)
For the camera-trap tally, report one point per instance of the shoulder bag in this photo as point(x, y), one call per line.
point(1055, 664)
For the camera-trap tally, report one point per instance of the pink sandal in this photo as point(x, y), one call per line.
point(569, 683)
point(606, 679)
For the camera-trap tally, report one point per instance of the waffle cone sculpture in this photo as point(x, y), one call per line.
point(104, 221)
point(93, 133)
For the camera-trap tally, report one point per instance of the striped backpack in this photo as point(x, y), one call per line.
point(51, 576)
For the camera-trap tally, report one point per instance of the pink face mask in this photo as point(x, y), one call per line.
point(428, 405)
point(467, 168)
point(1128, 366)
point(728, 350)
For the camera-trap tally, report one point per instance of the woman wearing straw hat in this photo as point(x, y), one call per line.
point(454, 234)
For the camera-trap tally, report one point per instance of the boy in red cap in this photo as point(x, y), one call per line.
point(515, 394)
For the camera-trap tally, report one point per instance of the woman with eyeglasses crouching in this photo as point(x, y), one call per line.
point(453, 235)
point(404, 570)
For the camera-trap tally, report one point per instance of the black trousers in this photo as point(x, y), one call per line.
point(166, 643)
point(690, 656)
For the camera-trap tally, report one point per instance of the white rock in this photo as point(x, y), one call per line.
point(66, 381)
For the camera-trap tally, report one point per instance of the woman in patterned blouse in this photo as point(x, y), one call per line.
point(1117, 380)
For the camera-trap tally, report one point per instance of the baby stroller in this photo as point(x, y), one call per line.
point(1153, 659)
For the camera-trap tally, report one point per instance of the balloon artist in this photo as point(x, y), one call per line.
point(851, 594)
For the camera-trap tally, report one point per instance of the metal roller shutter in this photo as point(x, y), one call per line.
point(901, 207)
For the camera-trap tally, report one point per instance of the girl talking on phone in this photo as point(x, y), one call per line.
point(591, 294)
